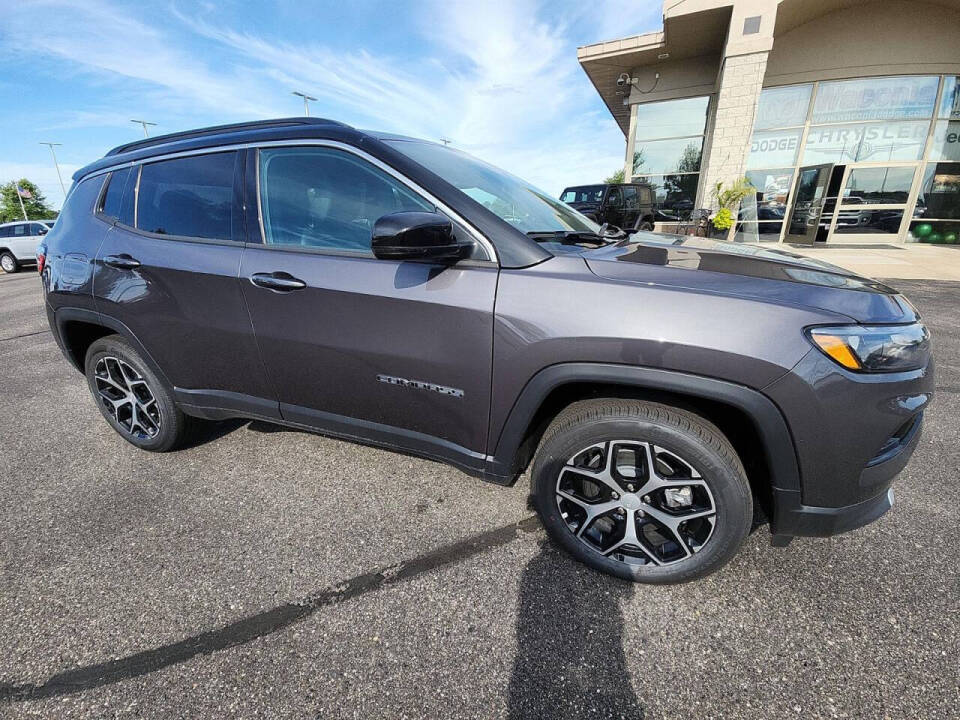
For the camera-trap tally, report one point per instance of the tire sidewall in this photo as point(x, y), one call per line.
point(729, 488)
point(171, 419)
point(14, 265)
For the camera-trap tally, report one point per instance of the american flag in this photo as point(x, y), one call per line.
point(24, 193)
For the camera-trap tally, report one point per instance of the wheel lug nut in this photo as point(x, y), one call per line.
point(646, 499)
point(630, 488)
point(615, 496)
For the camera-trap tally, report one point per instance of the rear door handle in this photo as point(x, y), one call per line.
point(277, 281)
point(124, 262)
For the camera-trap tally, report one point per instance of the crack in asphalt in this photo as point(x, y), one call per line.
point(262, 624)
point(29, 334)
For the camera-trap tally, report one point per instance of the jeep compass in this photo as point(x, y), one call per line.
point(667, 394)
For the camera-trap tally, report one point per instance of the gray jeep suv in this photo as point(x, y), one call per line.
point(667, 394)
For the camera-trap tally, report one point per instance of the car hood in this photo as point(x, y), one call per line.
point(748, 271)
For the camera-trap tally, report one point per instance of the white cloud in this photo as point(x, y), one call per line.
point(501, 79)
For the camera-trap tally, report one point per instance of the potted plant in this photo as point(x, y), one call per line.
point(728, 200)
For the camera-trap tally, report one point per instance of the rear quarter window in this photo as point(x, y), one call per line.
point(189, 197)
point(117, 201)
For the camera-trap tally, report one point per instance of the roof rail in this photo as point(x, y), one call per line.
point(217, 129)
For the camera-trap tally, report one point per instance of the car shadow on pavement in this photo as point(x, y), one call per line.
point(570, 660)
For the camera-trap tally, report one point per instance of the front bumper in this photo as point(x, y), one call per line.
point(853, 434)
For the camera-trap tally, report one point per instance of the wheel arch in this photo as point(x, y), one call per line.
point(79, 328)
point(752, 423)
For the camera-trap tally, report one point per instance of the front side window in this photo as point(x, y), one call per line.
point(614, 198)
point(189, 197)
point(587, 194)
point(325, 198)
point(630, 197)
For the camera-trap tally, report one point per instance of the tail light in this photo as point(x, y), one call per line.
point(41, 258)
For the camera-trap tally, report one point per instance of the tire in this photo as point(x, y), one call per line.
point(8, 262)
point(644, 226)
point(136, 403)
point(687, 451)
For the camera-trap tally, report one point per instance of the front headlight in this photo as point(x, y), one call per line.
point(874, 348)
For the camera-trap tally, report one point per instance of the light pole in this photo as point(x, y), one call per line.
point(51, 145)
point(144, 123)
point(306, 100)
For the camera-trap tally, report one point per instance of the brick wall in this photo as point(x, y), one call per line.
point(729, 141)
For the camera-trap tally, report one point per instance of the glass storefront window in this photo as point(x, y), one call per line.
point(855, 221)
point(936, 233)
point(765, 232)
point(946, 141)
point(939, 192)
point(672, 118)
point(879, 185)
point(950, 105)
point(668, 156)
point(865, 142)
point(886, 98)
point(774, 148)
point(783, 106)
point(773, 191)
point(674, 195)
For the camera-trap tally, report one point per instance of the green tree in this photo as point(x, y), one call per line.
point(35, 205)
point(617, 177)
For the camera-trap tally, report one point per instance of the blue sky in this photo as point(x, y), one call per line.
point(499, 78)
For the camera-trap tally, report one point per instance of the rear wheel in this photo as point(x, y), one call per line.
point(8, 263)
point(136, 403)
point(644, 226)
point(643, 491)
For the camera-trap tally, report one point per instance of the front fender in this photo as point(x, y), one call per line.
point(768, 421)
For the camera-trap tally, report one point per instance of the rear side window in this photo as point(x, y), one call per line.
point(325, 198)
point(20, 230)
point(189, 197)
point(118, 199)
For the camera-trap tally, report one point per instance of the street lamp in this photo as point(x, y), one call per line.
point(56, 165)
point(306, 100)
point(144, 123)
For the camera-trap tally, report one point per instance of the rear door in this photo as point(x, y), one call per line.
point(394, 352)
point(168, 271)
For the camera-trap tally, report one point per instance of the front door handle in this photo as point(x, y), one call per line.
point(277, 281)
point(123, 262)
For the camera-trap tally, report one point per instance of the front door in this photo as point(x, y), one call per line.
point(398, 353)
point(808, 203)
point(613, 207)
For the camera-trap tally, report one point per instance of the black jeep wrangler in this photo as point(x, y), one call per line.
point(626, 205)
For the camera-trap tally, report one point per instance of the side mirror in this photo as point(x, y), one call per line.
point(43, 230)
point(416, 236)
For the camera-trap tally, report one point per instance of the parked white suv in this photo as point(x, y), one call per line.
point(18, 243)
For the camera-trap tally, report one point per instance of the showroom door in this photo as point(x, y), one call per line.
point(809, 199)
point(873, 203)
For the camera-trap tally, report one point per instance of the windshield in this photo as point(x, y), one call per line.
point(586, 194)
point(510, 198)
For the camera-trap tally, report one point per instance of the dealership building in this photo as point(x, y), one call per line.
point(844, 115)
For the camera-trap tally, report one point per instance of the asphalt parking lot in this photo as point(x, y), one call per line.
point(271, 573)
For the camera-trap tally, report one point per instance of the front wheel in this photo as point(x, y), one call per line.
point(8, 263)
point(642, 491)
